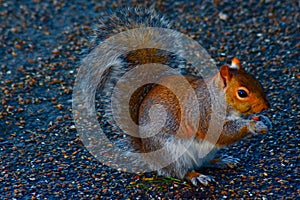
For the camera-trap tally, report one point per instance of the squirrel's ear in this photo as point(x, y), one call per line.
point(225, 73)
point(236, 64)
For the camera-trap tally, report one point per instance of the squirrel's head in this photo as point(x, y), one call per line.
point(243, 92)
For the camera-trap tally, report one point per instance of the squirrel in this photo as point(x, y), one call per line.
point(237, 91)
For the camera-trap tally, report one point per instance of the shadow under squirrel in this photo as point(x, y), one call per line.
point(241, 93)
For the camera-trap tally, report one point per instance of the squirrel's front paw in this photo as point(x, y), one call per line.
point(223, 162)
point(195, 178)
point(260, 124)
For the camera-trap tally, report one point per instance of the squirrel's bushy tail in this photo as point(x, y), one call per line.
point(129, 18)
point(125, 39)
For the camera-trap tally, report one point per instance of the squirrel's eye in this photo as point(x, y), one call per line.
point(242, 93)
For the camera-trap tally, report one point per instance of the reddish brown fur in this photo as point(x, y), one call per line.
point(233, 79)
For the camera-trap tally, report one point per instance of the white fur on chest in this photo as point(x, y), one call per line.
point(233, 116)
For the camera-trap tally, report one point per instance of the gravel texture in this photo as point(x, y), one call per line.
point(41, 157)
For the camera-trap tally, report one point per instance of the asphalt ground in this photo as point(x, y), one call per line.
point(41, 155)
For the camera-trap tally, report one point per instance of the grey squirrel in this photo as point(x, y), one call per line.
point(236, 90)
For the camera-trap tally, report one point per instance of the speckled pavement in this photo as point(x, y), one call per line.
point(41, 44)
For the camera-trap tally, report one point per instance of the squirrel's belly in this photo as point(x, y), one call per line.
point(186, 155)
point(199, 153)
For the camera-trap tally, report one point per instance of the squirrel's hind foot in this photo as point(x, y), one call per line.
point(197, 178)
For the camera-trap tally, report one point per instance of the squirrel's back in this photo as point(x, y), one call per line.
point(121, 22)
